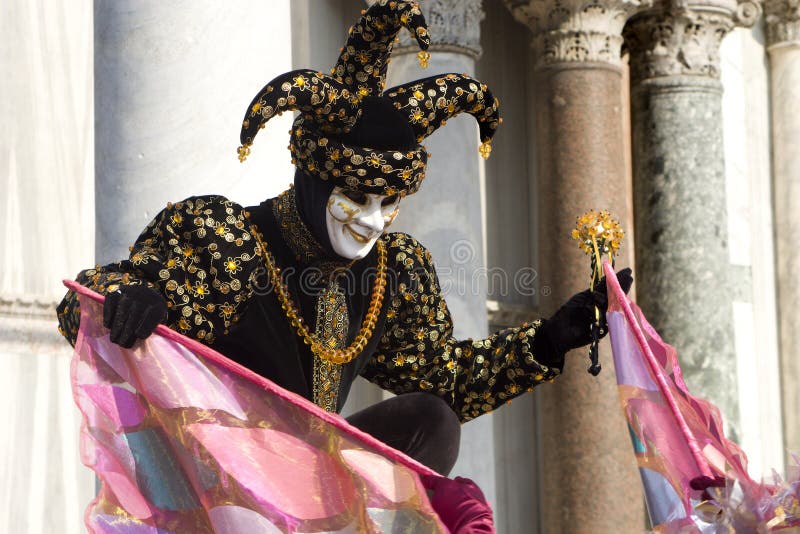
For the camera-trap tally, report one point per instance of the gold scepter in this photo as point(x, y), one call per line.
point(598, 234)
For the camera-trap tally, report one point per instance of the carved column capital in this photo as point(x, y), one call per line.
point(454, 26)
point(684, 38)
point(576, 31)
point(783, 22)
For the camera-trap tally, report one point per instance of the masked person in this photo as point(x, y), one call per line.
point(308, 289)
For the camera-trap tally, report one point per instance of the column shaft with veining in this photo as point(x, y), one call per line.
point(46, 235)
point(783, 45)
point(686, 283)
point(587, 467)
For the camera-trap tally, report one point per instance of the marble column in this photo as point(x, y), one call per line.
point(511, 254)
point(588, 480)
point(783, 45)
point(447, 214)
point(686, 282)
point(172, 82)
point(46, 222)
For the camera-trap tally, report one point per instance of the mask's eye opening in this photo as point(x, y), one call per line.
point(388, 201)
point(356, 196)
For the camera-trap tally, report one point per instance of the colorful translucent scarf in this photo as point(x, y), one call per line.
point(694, 478)
point(184, 440)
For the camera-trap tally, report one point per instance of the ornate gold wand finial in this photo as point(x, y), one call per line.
point(598, 234)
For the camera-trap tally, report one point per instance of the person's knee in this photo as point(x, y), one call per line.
point(442, 417)
point(420, 424)
point(442, 431)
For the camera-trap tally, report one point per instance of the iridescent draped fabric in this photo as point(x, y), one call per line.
point(694, 478)
point(184, 440)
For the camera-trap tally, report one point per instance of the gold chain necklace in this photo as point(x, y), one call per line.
point(318, 348)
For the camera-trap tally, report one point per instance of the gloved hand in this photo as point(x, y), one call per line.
point(133, 312)
point(569, 328)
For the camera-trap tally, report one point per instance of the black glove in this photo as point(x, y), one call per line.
point(133, 312)
point(570, 327)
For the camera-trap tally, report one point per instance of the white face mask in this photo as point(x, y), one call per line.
point(355, 220)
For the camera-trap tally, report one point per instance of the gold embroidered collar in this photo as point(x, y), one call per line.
point(295, 232)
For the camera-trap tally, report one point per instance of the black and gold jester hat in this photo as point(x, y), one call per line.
point(332, 105)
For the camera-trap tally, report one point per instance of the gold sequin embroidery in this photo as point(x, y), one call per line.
point(332, 325)
point(293, 230)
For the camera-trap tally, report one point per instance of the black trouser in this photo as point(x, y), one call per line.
point(421, 425)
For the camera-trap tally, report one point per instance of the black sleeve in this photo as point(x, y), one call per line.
point(198, 253)
point(418, 352)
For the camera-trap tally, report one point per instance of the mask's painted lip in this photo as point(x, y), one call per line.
point(358, 237)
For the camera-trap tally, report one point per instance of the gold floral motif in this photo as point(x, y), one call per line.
point(446, 96)
point(183, 267)
point(331, 105)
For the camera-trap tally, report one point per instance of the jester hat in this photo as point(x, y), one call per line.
point(331, 106)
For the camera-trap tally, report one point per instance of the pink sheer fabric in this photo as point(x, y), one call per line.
point(683, 455)
point(184, 440)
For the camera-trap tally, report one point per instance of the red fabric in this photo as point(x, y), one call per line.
point(461, 505)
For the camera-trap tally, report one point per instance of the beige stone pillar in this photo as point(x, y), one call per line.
point(589, 481)
point(783, 44)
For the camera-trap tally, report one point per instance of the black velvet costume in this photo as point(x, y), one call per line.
point(201, 255)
